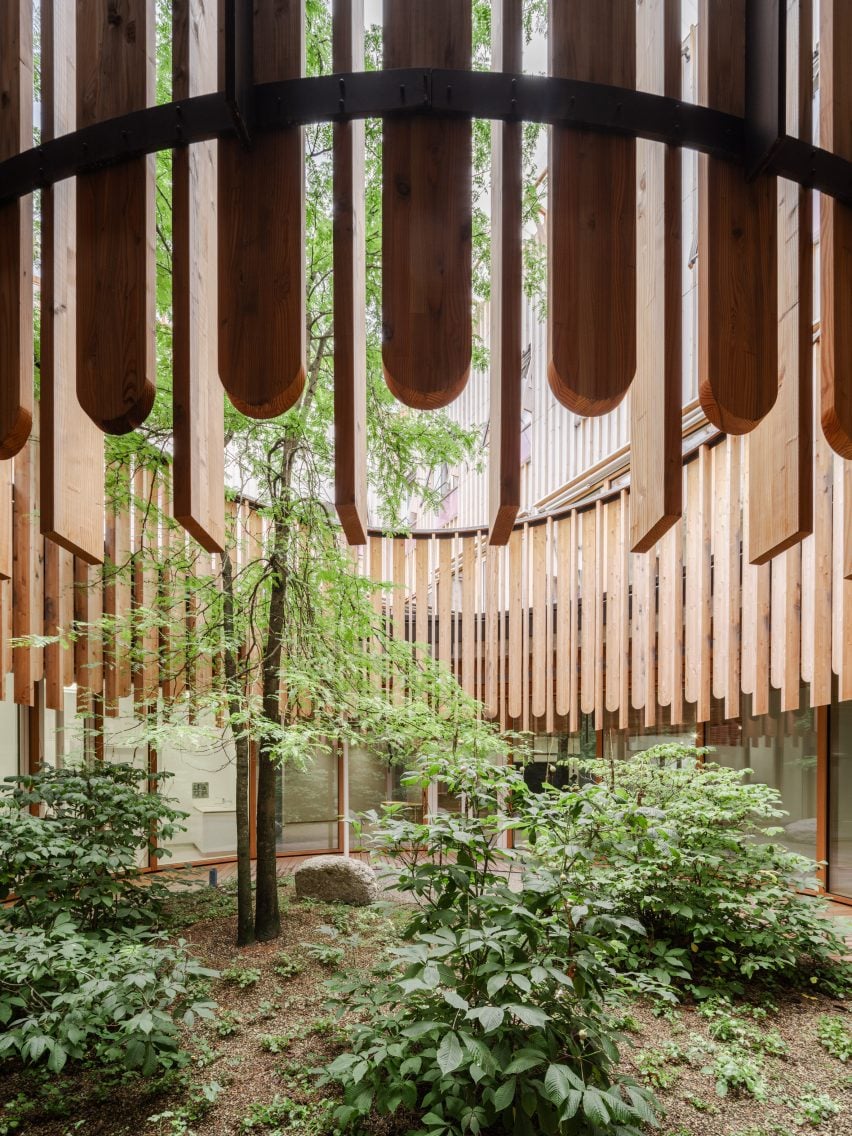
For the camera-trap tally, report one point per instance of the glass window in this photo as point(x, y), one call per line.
point(840, 799)
point(308, 808)
point(368, 786)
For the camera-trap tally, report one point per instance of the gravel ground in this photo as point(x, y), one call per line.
point(234, 1062)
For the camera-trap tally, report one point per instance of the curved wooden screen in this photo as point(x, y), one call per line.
point(427, 212)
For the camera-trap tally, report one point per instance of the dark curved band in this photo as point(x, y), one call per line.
point(466, 94)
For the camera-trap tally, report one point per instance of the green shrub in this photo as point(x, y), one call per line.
point(834, 1037)
point(241, 975)
point(80, 858)
point(110, 1000)
point(490, 1017)
point(685, 849)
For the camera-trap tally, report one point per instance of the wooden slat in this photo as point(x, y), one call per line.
point(668, 586)
point(88, 648)
point(624, 614)
point(704, 585)
point(843, 493)
point(791, 677)
point(16, 230)
point(847, 521)
point(376, 574)
point(549, 676)
point(350, 285)
point(639, 622)
point(493, 615)
point(731, 612)
point(526, 646)
point(504, 460)
point(780, 496)
point(720, 526)
point(197, 398)
point(468, 615)
point(27, 578)
point(72, 447)
point(692, 555)
point(116, 269)
point(835, 133)
point(146, 675)
point(600, 584)
point(540, 614)
point(117, 677)
point(592, 216)
point(564, 566)
point(262, 333)
point(6, 477)
point(58, 587)
point(587, 611)
point(515, 644)
point(398, 602)
point(421, 602)
point(821, 580)
point(656, 394)
point(737, 260)
point(427, 216)
point(445, 592)
point(614, 562)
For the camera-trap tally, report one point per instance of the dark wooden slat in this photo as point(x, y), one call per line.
point(6, 472)
point(835, 126)
point(16, 230)
point(198, 400)
point(116, 365)
point(506, 287)
point(427, 216)
point(350, 290)
point(72, 447)
point(780, 491)
point(656, 497)
point(592, 216)
point(261, 238)
point(737, 259)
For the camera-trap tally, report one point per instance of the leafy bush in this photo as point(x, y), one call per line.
point(80, 858)
point(834, 1037)
point(684, 848)
point(112, 1000)
point(490, 1016)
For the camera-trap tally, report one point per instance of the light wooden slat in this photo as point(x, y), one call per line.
point(398, 601)
point(72, 447)
point(704, 584)
point(821, 581)
point(376, 574)
point(592, 216)
point(16, 230)
point(27, 570)
point(503, 589)
point(638, 629)
point(445, 592)
point(564, 564)
point(5, 632)
point(198, 400)
point(614, 584)
point(549, 676)
point(514, 646)
point(847, 521)
point(790, 678)
point(587, 611)
point(468, 615)
point(262, 331)
point(692, 605)
point(835, 132)
point(624, 614)
point(731, 612)
point(526, 645)
point(6, 479)
point(843, 490)
point(656, 394)
point(350, 288)
point(651, 636)
point(780, 496)
point(538, 570)
point(720, 526)
point(668, 585)
point(737, 259)
point(760, 697)
point(677, 624)
point(58, 586)
point(116, 269)
point(506, 285)
point(427, 216)
point(493, 610)
point(88, 648)
point(421, 602)
point(600, 585)
point(146, 637)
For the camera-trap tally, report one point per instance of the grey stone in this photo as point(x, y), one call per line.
point(335, 879)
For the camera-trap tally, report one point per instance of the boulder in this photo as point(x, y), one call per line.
point(335, 879)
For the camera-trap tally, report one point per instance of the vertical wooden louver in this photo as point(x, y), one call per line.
point(198, 400)
point(261, 213)
point(592, 216)
point(115, 221)
point(427, 215)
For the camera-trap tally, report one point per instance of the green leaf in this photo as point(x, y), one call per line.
point(559, 1080)
point(529, 1015)
point(490, 1017)
point(504, 1096)
point(594, 1108)
point(450, 1054)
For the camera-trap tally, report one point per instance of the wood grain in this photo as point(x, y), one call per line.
point(116, 269)
point(427, 217)
point(350, 288)
point(27, 571)
point(16, 230)
point(592, 216)
point(262, 331)
point(72, 447)
point(514, 645)
point(58, 583)
point(780, 493)
point(737, 258)
point(197, 397)
point(504, 430)
point(6, 542)
point(835, 133)
point(656, 394)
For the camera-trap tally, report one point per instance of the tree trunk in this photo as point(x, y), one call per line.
point(267, 923)
point(245, 915)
